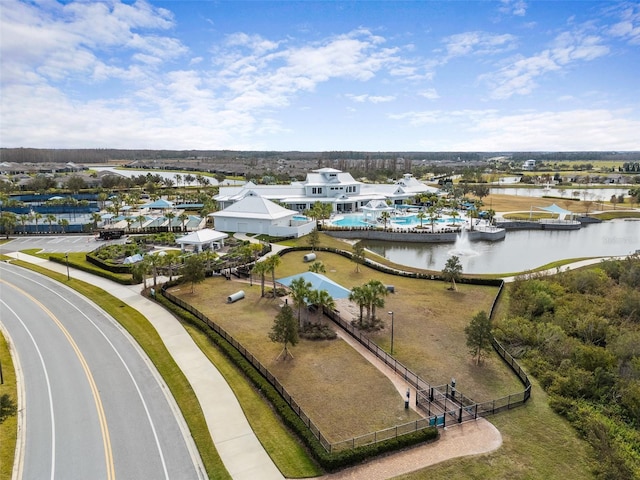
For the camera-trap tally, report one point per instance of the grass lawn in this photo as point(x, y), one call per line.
point(148, 338)
point(328, 379)
point(537, 445)
point(8, 423)
point(429, 323)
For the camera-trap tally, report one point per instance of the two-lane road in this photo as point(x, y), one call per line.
point(92, 405)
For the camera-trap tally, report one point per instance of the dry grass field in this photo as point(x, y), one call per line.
point(329, 380)
point(344, 394)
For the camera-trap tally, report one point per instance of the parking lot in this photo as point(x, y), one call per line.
point(56, 243)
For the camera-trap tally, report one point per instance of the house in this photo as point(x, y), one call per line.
point(529, 165)
point(326, 185)
point(259, 215)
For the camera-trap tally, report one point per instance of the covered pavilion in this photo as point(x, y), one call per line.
point(203, 239)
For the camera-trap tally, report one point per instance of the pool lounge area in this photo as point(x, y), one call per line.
point(401, 221)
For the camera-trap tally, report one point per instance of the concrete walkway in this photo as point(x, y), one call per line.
point(241, 452)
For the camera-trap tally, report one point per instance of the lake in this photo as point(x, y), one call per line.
point(520, 250)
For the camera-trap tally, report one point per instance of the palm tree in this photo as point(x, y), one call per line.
point(36, 216)
point(433, 216)
point(421, 216)
point(300, 290)
point(452, 271)
point(357, 295)
point(23, 220)
point(377, 290)
point(141, 219)
point(50, 218)
point(170, 216)
point(273, 261)
point(64, 223)
point(183, 217)
point(321, 299)
point(385, 217)
point(317, 267)
point(261, 268)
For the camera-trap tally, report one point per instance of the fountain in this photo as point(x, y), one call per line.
point(462, 247)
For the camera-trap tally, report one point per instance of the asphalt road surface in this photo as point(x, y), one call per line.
point(57, 243)
point(92, 406)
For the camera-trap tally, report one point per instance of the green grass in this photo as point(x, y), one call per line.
point(314, 364)
point(286, 452)
point(148, 338)
point(537, 445)
point(611, 215)
point(8, 427)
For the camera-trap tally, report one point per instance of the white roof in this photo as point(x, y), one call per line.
point(255, 207)
point(200, 237)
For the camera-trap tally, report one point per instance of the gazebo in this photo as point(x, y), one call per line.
point(206, 237)
point(372, 210)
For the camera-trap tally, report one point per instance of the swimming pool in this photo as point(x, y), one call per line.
point(357, 220)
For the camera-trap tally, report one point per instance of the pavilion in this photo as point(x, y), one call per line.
point(203, 239)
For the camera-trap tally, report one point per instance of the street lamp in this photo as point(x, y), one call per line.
point(66, 256)
point(391, 313)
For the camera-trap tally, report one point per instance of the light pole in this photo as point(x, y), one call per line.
point(66, 256)
point(391, 313)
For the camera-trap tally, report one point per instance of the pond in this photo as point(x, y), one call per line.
point(520, 250)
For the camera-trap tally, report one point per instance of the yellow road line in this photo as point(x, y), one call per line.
point(104, 428)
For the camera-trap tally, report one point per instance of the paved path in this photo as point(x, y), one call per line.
point(239, 449)
point(242, 454)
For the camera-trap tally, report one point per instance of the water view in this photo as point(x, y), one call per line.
point(520, 250)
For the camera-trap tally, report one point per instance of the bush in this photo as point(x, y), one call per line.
point(315, 331)
point(330, 461)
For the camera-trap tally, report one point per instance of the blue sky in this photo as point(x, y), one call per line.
point(508, 75)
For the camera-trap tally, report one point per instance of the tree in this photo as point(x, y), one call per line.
point(358, 296)
point(193, 270)
point(314, 239)
point(452, 271)
point(479, 335)
point(300, 290)
point(261, 268)
point(76, 183)
point(433, 216)
point(321, 299)
point(421, 216)
point(273, 262)
point(141, 219)
point(385, 217)
point(284, 330)
point(170, 216)
point(64, 223)
point(358, 256)
point(7, 223)
point(183, 217)
point(50, 218)
point(317, 267)
point(376, 292)
point(36, 216)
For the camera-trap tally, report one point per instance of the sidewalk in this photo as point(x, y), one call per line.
point(240, 451)
point(238, 447)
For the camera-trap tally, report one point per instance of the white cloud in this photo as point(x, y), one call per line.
point(371, 98)
point(567, 130)
point(429, 94)
point(477, 43)
point(514, 7)
point(519, 76)
point(628, 28)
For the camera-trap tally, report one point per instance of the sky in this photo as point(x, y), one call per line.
point(496, 76)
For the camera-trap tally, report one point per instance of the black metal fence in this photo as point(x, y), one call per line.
point(442, 404)
point(367, 439)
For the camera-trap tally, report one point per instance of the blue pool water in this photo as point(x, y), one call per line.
point(357, 220)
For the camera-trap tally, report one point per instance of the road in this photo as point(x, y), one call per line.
point(91, 403)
